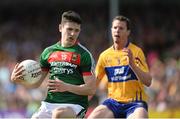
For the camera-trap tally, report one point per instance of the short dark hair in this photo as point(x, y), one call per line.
point(125, 19)
point(71, 16)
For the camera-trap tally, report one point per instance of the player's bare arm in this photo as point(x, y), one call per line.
point(88, 88)
point(143, 76)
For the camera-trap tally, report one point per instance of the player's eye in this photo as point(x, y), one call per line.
point(115, 27)
point(77, 30)
point(69, 29)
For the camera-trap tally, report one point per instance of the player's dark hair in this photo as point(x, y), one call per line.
point(71, 16)
point(125, 19)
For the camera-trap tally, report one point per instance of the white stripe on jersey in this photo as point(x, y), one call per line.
point(92, 59)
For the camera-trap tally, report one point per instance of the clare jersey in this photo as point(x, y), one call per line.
point(123, 85)
point(68, 64)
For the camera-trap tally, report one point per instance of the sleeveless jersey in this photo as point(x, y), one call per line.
point(123, 85)
point(68, 64)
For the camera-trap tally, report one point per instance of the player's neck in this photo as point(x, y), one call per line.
point(65, 45)
point(120, 45)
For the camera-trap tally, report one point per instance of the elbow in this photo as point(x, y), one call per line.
point(149, 82)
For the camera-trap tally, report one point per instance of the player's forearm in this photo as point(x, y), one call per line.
point(29, 86)
point(82, 89)
point(144, 77)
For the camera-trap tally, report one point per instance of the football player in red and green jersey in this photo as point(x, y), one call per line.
point(127, 73)
point(71, 68)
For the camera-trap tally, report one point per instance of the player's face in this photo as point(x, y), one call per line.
point(119, 31)
point(69, 33)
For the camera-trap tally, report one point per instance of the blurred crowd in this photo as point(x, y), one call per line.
point(164, 92)
point(25, 37)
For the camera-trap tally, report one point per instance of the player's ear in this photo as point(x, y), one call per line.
point(60, 27)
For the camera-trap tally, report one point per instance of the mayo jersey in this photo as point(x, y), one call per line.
point(123, 85)
point(69, 65)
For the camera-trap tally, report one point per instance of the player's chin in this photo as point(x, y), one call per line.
point(70, 43)
point(117, 41)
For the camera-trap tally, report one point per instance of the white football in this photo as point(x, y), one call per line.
point(32, 71)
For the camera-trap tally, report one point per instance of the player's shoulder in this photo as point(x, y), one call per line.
point(83, 49)
point(134, 47)
point(136, 50)
point(49, 49)
point(107, 51)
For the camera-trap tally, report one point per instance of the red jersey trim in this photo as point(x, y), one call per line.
point(87, 73)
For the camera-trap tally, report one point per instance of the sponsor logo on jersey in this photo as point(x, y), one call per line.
point(64, 62)
point(120, 74)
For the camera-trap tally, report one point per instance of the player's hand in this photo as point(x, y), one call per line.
point(128, 53)
point(17, 74)
point(57, 85)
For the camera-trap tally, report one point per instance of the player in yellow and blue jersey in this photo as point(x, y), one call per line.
point(127, 72)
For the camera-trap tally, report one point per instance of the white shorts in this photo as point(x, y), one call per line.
point(45, 110)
